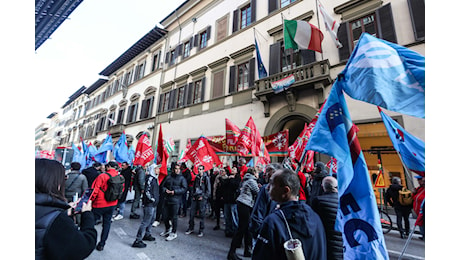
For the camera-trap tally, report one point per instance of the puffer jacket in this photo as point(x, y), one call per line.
point(326, 206)
point(249, 190)
point(178, 184)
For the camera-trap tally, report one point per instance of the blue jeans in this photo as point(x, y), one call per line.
point(121, 208)
point(147, 221)
point(231, 218)
point(106, 214)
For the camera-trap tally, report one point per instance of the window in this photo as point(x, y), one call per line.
point(121, 116)
point(203, 40)
point(281, 60)
point(132, 113)
point(101, 124)
point(284, 3)
point(127, 78)
point(378, 23)
point(156, 61)
point(290, 59)
point(140, 69)
point(365, 24)
point(146, 109)
point(243, 76)
point(180, 97)
point(196, 92)
point(187, 48)
point(172, 57)
point(245, 18)
point(111, 119)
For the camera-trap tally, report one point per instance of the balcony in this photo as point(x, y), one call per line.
point(311, 76)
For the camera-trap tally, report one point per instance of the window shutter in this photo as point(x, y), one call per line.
point(203, 88)
point(231, 84)
point(189, 93)
point(252, 66)
point(144, 109)
point(167, 57)
point(208, 33)
point(275, 58)
point(253, 11)
point(385, 23)
point(308, 56)
point(272, 5)
point(417, 14)
point(195, 40)
point(342, 35)
point(160, 103)
point(172, 100)
point(178, 50)
point(236, 18)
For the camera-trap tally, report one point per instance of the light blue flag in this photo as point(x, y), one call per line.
point(131, 154)
point(107, 145)
point(410, 148)
point(120, 151)
point(78, 156)
point(387, 75)
point(357, 218)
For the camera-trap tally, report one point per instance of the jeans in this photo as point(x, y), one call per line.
point(106, 214)
point(231, 218)
point(170, 213)
point(121, 207)
point(199, 205)
point(147, 221)
point(403, 212)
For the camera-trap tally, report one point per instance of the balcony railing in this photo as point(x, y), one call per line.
point(304, 75)
point(311, 76)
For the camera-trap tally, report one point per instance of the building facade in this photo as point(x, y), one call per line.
point(202, 68)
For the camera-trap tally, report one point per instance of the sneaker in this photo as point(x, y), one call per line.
point(171, 236)
point(165, 233)
point(200, 234)
point(118, 217)
point(189, 231)
point(134, 216)
point(148, 238)
point(156, 223)
point(139, 244)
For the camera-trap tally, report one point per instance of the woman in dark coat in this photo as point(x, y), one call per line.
point(56, 236)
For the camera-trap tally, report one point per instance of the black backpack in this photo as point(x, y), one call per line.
point(114, 187)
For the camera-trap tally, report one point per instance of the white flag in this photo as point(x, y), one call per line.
point(331, 25)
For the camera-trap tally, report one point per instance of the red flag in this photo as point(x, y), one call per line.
point(144, 152)
point(250, 140)
point(332, 164)
point(201, 153)
point(232, 133)
point(184, 157)
point(277, 143)
point(162, 156)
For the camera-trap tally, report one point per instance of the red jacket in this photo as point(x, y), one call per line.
point(98, 195)
point(303, 181)
point(243, 170)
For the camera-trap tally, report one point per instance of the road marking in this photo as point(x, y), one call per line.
point(142, 256)
point(406, 255)
point(120, 232)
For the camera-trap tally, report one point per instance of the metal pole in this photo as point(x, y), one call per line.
point(407, 243)
point(319, 27)
point(406, 172)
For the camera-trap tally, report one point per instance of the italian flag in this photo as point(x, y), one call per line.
point(302, 35)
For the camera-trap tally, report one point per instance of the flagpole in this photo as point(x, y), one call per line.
point(284, 44)
point(406, 171)
point(319, 27)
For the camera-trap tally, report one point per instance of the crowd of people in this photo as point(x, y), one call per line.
point(263, 208)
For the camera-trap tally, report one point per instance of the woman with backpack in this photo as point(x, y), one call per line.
point(402, 211)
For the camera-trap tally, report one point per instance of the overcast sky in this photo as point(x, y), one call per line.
point(97, 33)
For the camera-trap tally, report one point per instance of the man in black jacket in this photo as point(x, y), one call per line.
point(392, 196)
point(150, 200)
point(326, 206)
point(201, 191)
point(92, 172)
point(315, 188)
point(127, 173)
point(174, 185)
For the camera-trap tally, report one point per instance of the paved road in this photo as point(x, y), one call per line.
point(213, 245)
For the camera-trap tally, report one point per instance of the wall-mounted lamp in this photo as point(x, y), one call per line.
point(150, 127)
point(194, 19)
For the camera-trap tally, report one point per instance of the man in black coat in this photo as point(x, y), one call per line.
point(174, 186)
point(92, 172)
point(326, 206)
point(392, 196)
point(315, 188)
point(292, 218)
point(138, 185)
